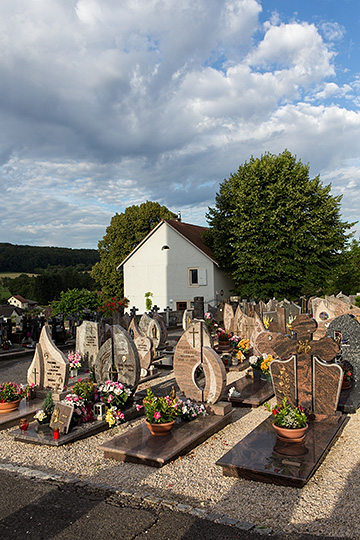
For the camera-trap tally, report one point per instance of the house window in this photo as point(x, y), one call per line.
point(181, 306)
point(193, 277)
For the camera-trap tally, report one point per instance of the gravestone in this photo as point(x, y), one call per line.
point(243, 325)
point(228, 318)
point(125, 321)
point(258, 334)
point(345, 330)
point(151, 329)
point(305, 380)
point(49, 369)
point(193, 352)
point(125, 357)
point(187, 318)
point(199, 311)
point(143, 345)
point(164, 334)
point(88, 341)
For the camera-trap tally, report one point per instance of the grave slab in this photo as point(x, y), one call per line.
point(43, 435)
point(26, 410)
point(254, 392)
point(262, 457)
point(137, 445)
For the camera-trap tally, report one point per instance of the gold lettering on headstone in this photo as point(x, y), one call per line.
point(303, 347)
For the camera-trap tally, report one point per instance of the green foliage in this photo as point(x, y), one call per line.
point(48, 405)
point(162, 409)
point(47, 286)
point(276, 231)
point(14, 258)
point(287, 416)
point(10, 391)
point(85, 389)
point(124, 233)
point(148, 301)
point(347, 278)
point(74, 301)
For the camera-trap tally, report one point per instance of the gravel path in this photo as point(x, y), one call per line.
point(328, 505)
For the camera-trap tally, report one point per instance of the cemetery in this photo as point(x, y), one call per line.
point(230, 374)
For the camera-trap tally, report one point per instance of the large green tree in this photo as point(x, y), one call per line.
point(278, 232)
point(125, 231)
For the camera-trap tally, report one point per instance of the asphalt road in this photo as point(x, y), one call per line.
point(36, 509)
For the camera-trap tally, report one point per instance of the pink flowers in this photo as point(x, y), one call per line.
point(157, 416)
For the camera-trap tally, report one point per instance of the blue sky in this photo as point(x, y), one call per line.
point(105, 104)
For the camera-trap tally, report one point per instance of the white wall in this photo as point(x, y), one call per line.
point(165, 272)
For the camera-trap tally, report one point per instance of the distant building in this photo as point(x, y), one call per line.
point(173, 263)
point(20, 302)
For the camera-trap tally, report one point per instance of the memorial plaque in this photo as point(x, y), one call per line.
point(61, 417)
point(88, 341)
point(49, 368)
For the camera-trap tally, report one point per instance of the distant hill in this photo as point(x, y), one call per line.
point(15, 258)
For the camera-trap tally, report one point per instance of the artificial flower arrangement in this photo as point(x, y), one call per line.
point(6, 344)
point(74, 359)
point(10, 391)
point(115, 395)
point(287, 415)
point(43, 415)
point(222, 335)
point(162, 409)
point(191, 410)
point(261, 362)
point(241, 347)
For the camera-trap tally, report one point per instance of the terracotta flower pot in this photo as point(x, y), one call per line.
point(160, 429)
point(224, 346)
point(9, 406)
point(291, 434)
point(345, 385)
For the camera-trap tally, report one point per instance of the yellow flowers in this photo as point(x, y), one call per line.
point(266, 363)
point(109, 418)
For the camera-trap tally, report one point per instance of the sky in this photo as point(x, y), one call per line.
point(109, 103)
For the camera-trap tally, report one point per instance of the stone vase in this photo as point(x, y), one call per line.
point(9, 406)
point(160, 429)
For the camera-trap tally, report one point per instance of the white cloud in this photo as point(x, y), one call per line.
point(105, 104)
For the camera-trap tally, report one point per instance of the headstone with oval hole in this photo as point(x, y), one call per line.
point(193, 353)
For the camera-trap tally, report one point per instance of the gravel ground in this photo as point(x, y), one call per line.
point(328, 505)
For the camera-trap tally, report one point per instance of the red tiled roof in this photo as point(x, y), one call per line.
point(193, 233)
point(20, 298)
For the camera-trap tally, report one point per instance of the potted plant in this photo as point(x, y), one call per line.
point(290, 420)
point(346, 382)
point(116, 396)
point(161, 412)
point(224, 343)
point(261, 366)
point(240, 348)
point(43, 415)
point(10, 396)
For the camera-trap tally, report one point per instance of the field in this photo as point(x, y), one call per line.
point(15, 274)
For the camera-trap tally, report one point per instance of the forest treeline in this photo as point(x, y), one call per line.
point(34, 259)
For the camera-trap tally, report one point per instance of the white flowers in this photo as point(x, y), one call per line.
point(253, 360)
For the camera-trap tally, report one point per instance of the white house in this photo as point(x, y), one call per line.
point(173, 263)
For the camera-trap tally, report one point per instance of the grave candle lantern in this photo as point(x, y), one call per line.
point(99, 411)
